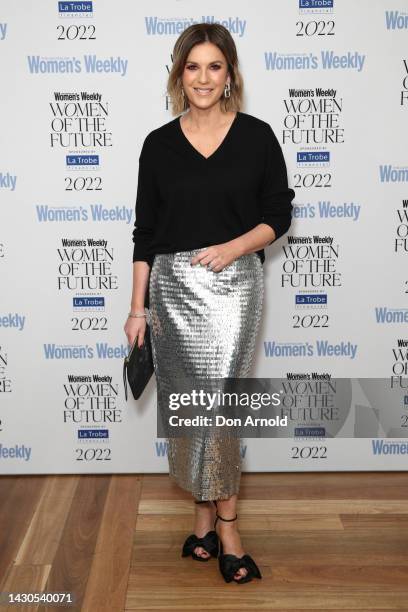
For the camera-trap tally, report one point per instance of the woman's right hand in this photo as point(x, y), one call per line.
point(135, 327)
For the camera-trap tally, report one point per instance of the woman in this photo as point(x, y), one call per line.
point(212, 193)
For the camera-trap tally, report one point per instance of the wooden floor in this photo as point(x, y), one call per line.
point(323, 541)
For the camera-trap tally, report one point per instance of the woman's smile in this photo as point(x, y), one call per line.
point(202, 91)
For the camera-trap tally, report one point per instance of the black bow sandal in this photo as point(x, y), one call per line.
point(230, 564)
point(209, 543)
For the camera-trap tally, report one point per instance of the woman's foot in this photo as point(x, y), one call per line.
point(231, 542)
point(204, 522)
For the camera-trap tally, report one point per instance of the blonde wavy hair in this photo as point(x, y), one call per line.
point(194, 35)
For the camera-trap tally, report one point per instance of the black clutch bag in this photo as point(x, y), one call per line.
point(138, 366)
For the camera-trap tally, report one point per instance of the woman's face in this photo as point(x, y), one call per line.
point(205, 75)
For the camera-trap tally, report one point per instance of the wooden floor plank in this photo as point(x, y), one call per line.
point(374, 521)
point(291, 485)
point(285, 506)
point(25, 579)
point(42, 537)
point(252, 596)
point(108, 578)
point(73, 558)
point(276, 577)
point(278, 522)
point(17, 508)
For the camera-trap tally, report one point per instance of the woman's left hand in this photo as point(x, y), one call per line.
point(217, 257)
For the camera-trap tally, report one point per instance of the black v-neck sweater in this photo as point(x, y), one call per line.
point(186, 201)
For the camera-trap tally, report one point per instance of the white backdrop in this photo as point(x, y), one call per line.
point(82, 85)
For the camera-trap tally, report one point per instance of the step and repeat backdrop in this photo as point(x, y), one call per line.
point(82, 85)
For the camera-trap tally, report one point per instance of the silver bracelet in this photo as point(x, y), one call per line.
point(137, 315)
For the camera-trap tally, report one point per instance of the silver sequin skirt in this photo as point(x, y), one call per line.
point(204, 324)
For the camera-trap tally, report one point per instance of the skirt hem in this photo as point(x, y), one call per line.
point(196, 492)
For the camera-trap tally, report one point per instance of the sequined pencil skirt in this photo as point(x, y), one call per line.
point(204, 324)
